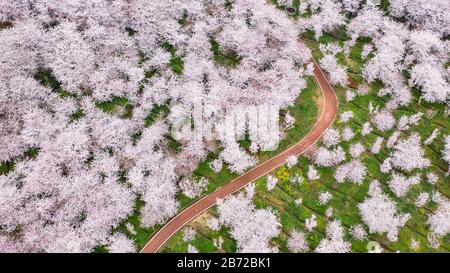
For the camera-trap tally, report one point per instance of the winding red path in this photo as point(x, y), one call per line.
point(330, 106)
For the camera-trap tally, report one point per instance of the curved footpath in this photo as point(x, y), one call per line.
point(330, 106)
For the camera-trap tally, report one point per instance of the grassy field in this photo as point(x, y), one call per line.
point(346, 196)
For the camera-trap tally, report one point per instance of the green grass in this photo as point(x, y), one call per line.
point(112, 107)
point(173, 144)
point(130, 31)
point(100, 249)
point(183, 21)
point(78, 114)
point(223, 57)
point(176, 62)
point(384, 5)
point(229, 5)
point(47, 79)
point(32, 152)
point(6, 167)
point(5, 25)
point(156, 112)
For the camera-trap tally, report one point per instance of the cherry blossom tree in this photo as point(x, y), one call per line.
point(330, 48)
point(218, 243)
point(119, 243)
point(213, 224)
point(329, 212)
point(313, 174)
point(386, 166)
point(440, 220)
point(130, 228)
point(432, 178)
point(311, 223)
point(326, 17)
point(289, 121)
point(291, 161)
point(383, 120)
point(432, 137)
point(324, 197)
point(331, 137)
point(356, 150)
point(368, 22)
point(392, 140)
point(271, 182)
point(349, 95)
point(446, 151)
point(334, 241)
point(428, 15)
point(367, 129)
point(414, 245)
point(400, 184)
point(236, 158)
point(327, 158)
point(297, 242)
point(409, 155)
point(192, 249)
point(285, 3)
point(346, 116)
point(374, 247)
point(153, 175)
point(337, 73)
point(347, 134)
point(406, 121)
point(358, 232)
point(422, 199)
point(189, 234)
point(216, 165)
point(192, 188)
point(366, 50)
point(351, 6)
point(376, 147)
point(353, 171)
point(380, 214)
point(252, 228)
